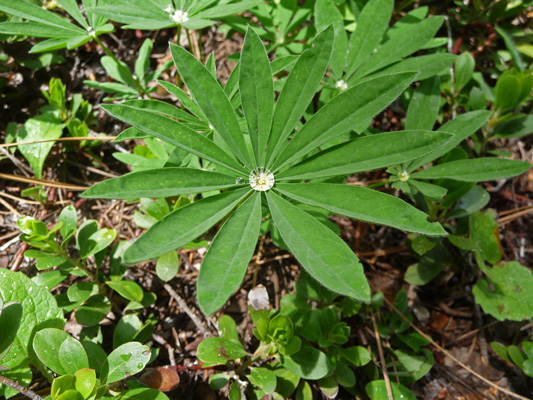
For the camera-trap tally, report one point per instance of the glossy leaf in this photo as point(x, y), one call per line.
point(475, 170)
point(85, 381)
point(10, 319)
point(183, 225)
point(175, 133)
point(212, 99)
point(226, 261)
point(507, 294)
point(69, 219)
point(257, 92)
point(45, 126)
point(167, 266)
point(308, 363)
point(343, 113)
point(366, 153)
point(125, 361)
point(218, 351)
point(127, 289)
point(163, 182)
point(299, 90)
point(377, 390)
point(59, 351)
point(464, 68)
point(322, 253)
point(362, 204)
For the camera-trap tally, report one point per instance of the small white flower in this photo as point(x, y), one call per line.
point(261, 179)
point(341, 85)
point(403, 176)
point(179, 17)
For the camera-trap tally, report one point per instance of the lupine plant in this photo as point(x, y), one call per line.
point(257, 168)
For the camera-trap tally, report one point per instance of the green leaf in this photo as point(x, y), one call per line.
point(69, 218)
point(85, 381)
point(167, 266)
point(125, 361)
point(128, 289)
point(430, 266)
point(228, 328)
point(484, 231)
point(343, 114)
point(183, 225)
point(425, 67)
point(226, 261)
point(94, 243)
point(475, 170)
point(212, 99)
point(304, 391)
point(424, 106)
point(461, 127)
point(32, 12)
point(126, 329)
point(366, 153)
point(326, 14)
point(464, 68)
point(377, 390)
point(142, 393)
point(299, 89)
point(39, 311)
point(372, 24)
point(45, 126)
point(10, 320)
point(356, 355)
point(163, 182)
point(326, 257)
point(257, 92)
point(59, 351)
point(93, 311)
point(72, 7)
point(308, 363)
point(36, 29)
point(519, 126)
point(143, 60)
point(264, 379)
point(508, 292)
point(218, 351)
point(402, 45)
point(434, 192)
point(362, 204)
point(175, 133)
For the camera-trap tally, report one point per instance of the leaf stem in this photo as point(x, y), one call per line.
point(19, 388)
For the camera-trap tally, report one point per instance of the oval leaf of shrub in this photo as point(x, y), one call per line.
point(127, 289)
point(218, 351)
point(377, 390)
point(308, 363)
point(59, 351)
point(125, 361)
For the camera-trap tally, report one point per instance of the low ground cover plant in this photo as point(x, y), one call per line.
point(338, 123)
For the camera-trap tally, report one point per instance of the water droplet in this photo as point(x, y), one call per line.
point(239, 181)
point(403, 176)
point(140, 366)
point(261, 179)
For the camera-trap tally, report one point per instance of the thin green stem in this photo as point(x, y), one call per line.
point(140, 87)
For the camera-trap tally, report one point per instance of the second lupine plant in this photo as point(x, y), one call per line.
point(265, 163)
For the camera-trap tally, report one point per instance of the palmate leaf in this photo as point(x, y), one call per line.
point(175, 133)
point(322, 253)
point(212, 99)
point(225, 263)
point(343, 113)
point(475, 170)
point(183, 225)
point(362, 204)
point(163, 182)
point(366, 153)
point(257, 92)
point(299, 90)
